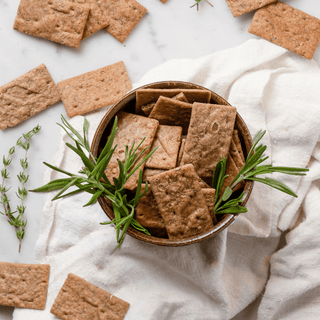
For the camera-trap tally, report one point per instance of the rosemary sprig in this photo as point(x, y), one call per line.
point(92, 178)
point(18, 222)
point(249, 171)
point(197, 4)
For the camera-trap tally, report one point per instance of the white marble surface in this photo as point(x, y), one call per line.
point(167, 31)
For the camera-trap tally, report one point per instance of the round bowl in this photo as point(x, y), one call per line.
point(127, 103)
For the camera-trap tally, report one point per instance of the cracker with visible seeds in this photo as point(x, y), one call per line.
point(55, 20)
point(209, 136)
point(287, 27)
point(27, 95)
point(183, 142)
point(236, 139)
point(209, 194)
point(24, 285)
point(95, 89)
point(131, 128)
point(167, 140)
point(239, 7)
point(79, 299)
point(181, 202)
point(148, 173)
point(123, 16)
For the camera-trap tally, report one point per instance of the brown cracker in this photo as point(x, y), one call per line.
point(167, 140)
point(288, 27)
point(183, 143)
point(27, 95)
point(209, 194)
point(123, 16)
point(181, 202)
point(231, 171)
point(181, 97)
point(79, 299)
point(148, 173)
point(239, 7)
point(131, 128)
point(234, 152)
point(147, 108)
point(24, 285)
point(236, 139)
point(55, 20)
point(163, 1)
point(95, 89)
point(209, 136)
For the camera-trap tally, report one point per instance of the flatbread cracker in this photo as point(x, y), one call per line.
point(147, 108)
point(287, 27)
point(123, 16)
point(239, 7)
point(95, 89)
point(181, 202)
point(79, 299)
point(236, 139)
point(181, 97)
point(209, 136)
point(167, 140)
point(24, 285)
point(183, 142)
point(131, 128)
point(209, 194)
point(148, 173)
point(27, 95)
point(234, 152)
point(55, 20)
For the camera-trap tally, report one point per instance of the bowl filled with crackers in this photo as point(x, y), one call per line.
point(190, 129)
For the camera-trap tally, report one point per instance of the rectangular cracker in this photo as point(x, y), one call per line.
point(209, 194)
point(55, 20)
point(239, 7)
point(24, 285)
point(95, 89)
point(181, 202)
point(209, 136)
point(27, 95)
point(183, 142)
point(123, 16)
point(148, 173)
point(236, 139)
point(234, 152)
point(148, 96)
point(181, 97)
point(287, 27)
point(167, 140)
point(79, 299)
point(172, 112)
point(131, 128)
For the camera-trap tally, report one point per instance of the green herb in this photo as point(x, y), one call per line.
point(18, 222)
point(249, 171)
point(94, 180)
point(197, 4)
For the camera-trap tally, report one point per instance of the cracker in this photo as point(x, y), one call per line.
point(209, 136)
point(55, 20)
point(209, 194)
point(183, 142)
point(95, 89)
point(287, 27)
point(236, 139)
point(148, 173)
point(234, 152)
point(239, 7)
point(231, 171)
point(167, 140)
point(131, 128)
point(24, 285)
point(123, 16)
point(27, 95)
point(147, 96)
point(147, 108)
point(181, 97)
point(163, 1)
point(79, 299)
point(181, 202)
point(172, 112)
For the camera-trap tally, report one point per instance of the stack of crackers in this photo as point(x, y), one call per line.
point(191, 135)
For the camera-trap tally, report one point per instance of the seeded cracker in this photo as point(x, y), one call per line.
point(181, 202)
point(94, 90)
point(27, 95)
point(288, 27)
point(78, 299)
point(24, 285)
point(55, 20)
point(209, 136)
point(239, 7)
point(123, 16)
point(131, 128)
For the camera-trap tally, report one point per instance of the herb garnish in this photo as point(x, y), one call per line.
point(197, 4)
point(18, 222)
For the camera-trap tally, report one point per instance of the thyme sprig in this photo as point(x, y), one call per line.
point(249, 171)
point(92, 178)
point(18, 222)
point(197, 2)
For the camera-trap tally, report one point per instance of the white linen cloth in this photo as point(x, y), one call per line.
point(273, 89)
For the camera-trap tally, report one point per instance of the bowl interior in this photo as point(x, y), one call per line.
point(127, 103)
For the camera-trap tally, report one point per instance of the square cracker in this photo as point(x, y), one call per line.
point(287, 27)
point(148, 173)
point(55, 20)
point(24, 285)
point(181, 202)
point(27, 95)
point(131, 128)
point(183, 143)
point(167, 140)
point(236, 139)
point(79, 299)
point(234, 152)
point(209, 194)
point(95, 89)
point(209, 136)
point(123, 16)
point(239, 7)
